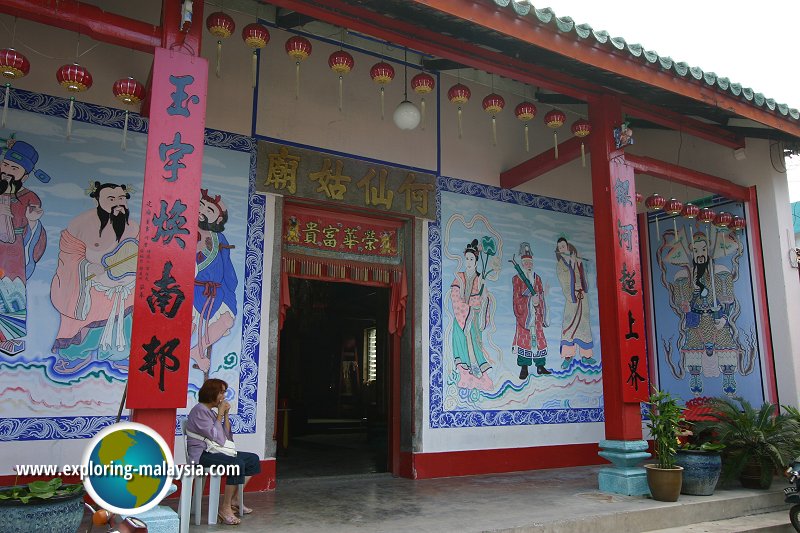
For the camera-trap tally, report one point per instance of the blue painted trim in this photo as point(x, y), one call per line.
point(439, 417)
point(83, 427)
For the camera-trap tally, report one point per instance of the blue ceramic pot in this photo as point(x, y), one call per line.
point(701, 471)
point(60, 514)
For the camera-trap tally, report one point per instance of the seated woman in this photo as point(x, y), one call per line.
point(216, 427)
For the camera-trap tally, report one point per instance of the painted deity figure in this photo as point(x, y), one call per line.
point(94, 282)
point(706, 302)
point(470, 300)
point(576, 331)
point(22, 242)
point(215, 281)
point(530, 311)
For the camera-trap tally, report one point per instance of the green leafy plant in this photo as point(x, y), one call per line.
point(666, 417)
point(763, 436)
point(43, 490)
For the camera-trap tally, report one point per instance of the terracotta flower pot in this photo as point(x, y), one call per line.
point(664, 483)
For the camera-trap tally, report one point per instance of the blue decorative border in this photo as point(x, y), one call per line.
point(84, 427)
point(439, 418)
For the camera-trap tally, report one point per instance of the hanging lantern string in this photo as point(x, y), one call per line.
point(5, 105)
point(46, 56)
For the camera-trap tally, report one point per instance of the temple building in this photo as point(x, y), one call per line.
point(425, 237)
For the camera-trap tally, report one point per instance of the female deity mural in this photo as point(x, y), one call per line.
point(472, 313)
point(576, 332)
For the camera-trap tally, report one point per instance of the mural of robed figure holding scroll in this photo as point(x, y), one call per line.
point(94, 281)
point(576, 332)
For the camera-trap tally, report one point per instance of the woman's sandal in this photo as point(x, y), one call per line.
point(245, 509)
point(229, 520)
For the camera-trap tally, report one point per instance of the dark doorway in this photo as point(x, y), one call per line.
point(333, 381)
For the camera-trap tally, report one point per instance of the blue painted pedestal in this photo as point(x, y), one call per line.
point(625, 476)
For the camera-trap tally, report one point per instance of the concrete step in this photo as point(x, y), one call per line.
point(639, 515)
point(775, 522)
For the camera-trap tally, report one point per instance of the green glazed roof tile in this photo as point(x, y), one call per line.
point(565, 24)
point(650, 56)
point(681, 69)
point(618, 42)
point(583, 30)
point(636, 50)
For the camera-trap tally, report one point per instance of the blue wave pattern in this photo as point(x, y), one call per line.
point(439, 417)
point(84, 427)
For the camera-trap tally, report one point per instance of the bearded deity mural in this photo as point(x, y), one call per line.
point(701, 271)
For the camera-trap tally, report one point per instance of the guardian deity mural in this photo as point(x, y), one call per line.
point(705, 324)
point(519, 310)
point(69, 238)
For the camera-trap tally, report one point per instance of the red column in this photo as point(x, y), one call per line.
point(159, 362)
point(619, 287)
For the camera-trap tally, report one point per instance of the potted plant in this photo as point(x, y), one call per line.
point(698, 452)
point(665, 419)
point(41, 506)
point(757, 441)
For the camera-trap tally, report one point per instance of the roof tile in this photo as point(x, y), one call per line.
point(585, 31)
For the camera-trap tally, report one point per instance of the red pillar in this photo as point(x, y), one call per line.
point(622, 330)
point(161, 336)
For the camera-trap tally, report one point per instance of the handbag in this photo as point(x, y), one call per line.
point(228, 448)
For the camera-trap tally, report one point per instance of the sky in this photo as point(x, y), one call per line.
point(752, 43)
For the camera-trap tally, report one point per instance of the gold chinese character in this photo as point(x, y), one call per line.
point(282, 173)
point(417, 192)
point(369, 239)
point(332, 184)
point(330, 236)
point(350, 239)
point(376, 195)
point(311, 231)
point(386, 243)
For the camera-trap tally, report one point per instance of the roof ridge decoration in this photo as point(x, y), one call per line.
point(682, 69)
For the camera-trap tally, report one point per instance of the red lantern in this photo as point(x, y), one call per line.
point(382, 73)
point(493, 104)
point(525, 111)
point(655, 202)
point(423, 83)
point(341, 63)
point(13, 65)
point(256, 36)
point(738, 223)
point(690, 211)
point(74, 78)
point(298, 48)
point(581, 128)
point(221, 26)
point(706, 215)
point(673, 207)
point(459, 94)
point(723, 219)
point(129, 92)
point(555, 119)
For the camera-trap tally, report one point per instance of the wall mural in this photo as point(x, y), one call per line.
point(515, 334)
point(705, 325)
point(69, 229)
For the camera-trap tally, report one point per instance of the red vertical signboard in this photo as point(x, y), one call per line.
point(162, 316)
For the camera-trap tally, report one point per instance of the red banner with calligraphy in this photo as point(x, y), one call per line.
point(340, 233)
point(162, 327)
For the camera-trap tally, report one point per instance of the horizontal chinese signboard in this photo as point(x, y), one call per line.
point(308, 228)
point(304, 173)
